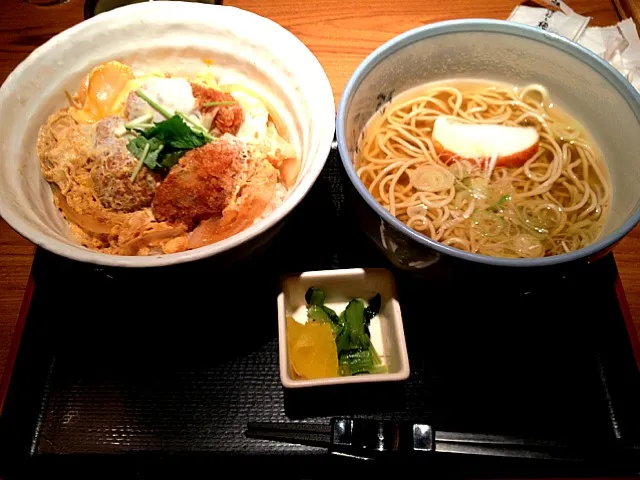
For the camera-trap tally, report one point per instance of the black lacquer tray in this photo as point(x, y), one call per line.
point(154, 373)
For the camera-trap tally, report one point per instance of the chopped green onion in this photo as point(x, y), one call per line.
point(496, 206)
point(491, 217)
point(136, 170)
point(219, 104)
point(159, 108)
point(535, 230)
point(141, 126)
point(142, 119)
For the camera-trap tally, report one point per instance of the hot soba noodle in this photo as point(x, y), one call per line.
point(487, 168)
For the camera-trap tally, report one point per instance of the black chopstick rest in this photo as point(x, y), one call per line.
point(372, 438)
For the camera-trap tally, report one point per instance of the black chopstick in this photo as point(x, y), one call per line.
point(312, 434)
point(325, 435)
point(498, 440)
point(290, 427)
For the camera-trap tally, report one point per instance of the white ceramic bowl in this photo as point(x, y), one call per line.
point(157, 34)
point(340, 286)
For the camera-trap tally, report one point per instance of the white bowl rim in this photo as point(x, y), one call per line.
point(615, 78)
point(198, 10)
point(283, 361)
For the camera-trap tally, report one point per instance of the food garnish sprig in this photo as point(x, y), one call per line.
point(160, 145)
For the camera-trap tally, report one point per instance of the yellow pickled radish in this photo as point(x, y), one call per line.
point(312, 350)
point(294, 329)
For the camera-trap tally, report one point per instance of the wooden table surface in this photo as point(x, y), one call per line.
point(339, 32)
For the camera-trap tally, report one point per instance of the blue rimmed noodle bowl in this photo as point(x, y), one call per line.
point(587, 87)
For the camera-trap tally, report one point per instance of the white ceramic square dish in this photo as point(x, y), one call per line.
point(340, 286)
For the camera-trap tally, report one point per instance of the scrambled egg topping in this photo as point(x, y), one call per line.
point(154, 164)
